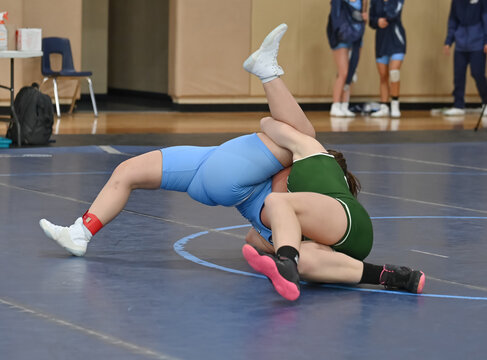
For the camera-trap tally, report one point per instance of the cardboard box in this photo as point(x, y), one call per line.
point(29, 39)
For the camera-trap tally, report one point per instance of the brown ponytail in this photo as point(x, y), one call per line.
point(353, 182)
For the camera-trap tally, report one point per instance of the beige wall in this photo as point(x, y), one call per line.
point(138, 45)
point(198, 69)
point(209, 40)
point(95, 43)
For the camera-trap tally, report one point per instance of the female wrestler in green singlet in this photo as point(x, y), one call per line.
point(320, 205)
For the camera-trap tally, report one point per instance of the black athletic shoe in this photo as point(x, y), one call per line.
point(402, 278)
point(281, 271)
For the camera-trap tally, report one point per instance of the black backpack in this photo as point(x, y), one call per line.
point(35, 115)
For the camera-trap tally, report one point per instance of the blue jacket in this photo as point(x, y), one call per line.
point(342, 28)
point(467, 25)
point(391, 39)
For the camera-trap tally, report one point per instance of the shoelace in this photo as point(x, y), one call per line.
point(382, 272)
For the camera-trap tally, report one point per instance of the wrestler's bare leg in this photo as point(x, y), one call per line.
point(141, 172)
point(263, 64)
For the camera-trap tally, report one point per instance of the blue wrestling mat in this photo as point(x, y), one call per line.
point(166, 279)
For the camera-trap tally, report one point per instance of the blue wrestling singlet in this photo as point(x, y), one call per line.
point(236, 173)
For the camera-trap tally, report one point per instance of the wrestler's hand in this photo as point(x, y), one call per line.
point(279, 181)
point(254, 239)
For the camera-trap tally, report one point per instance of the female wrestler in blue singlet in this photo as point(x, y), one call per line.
point(237, 173)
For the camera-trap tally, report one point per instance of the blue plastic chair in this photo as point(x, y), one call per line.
point(62, 46)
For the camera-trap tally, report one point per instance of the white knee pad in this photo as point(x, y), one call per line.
point(395, 75)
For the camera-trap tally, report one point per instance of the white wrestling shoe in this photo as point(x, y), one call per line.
point(74, 239)
point(263, 62)
point(382, 112)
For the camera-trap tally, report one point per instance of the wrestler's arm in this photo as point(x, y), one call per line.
point(286, 136)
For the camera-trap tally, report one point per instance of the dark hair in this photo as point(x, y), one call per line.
point(353, 182)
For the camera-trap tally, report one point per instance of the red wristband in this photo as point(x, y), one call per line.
point(92, 223)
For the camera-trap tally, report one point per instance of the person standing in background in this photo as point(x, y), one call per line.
point(345, 29)
point(390, 48)
point(467, 28)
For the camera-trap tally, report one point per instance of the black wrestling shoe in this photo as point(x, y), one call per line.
point(402, 278)
point(281, 271)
